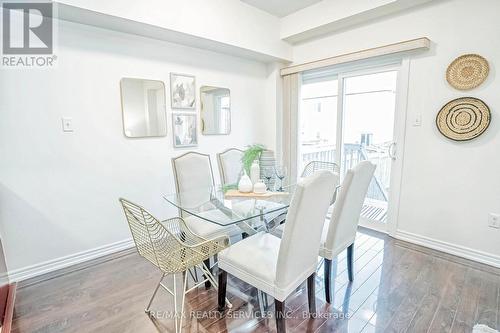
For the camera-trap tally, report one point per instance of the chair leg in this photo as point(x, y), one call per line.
point(350, 252)
point(207, 282)
point(311, 292)
point(328, 279)
point(154, 293)
point(175, 305)
point(279, 311)
point(184, 292)
point(222, 290)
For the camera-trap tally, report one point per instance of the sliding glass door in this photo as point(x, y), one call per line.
point(348, 117)
point(369, 103)
point(318, 122)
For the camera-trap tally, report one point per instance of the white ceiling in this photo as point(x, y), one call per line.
point(280, 8)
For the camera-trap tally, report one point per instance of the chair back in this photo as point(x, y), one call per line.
point(347, 207)
point(298, 253)
point(141, 224)
point(230, 165)
point(314, 166)
point(169, 245)
point(193, 172)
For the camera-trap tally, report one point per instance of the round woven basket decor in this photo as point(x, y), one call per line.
point(463, 118)
point(467, 71)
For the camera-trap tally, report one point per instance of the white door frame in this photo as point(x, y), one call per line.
point(402, 67)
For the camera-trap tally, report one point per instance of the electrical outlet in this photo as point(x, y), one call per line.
point(494, 220)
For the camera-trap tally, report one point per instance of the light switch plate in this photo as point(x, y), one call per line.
point(417, 121)
point(67, 124)
point(494, 220)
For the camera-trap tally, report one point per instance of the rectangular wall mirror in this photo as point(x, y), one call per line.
point(143, 108)
point(215, 110)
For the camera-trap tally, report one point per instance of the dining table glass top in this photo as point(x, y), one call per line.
point(227, 207)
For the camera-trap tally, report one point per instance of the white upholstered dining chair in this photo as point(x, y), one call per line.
point(230, 165)
point(193, 171)
point(314, 166)
point(278, 266)
point(340, 231)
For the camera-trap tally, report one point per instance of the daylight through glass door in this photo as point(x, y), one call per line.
point(369, 103)
point(364, 129)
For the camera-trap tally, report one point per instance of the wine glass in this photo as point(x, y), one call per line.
point(268, 173)
point(280, 171)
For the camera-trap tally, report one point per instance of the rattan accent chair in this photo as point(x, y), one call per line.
point(173, 248)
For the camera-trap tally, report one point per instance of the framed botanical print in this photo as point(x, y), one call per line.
point(182, 91)
point(185, 130)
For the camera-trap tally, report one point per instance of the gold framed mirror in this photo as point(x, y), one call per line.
point(143, 108)
point(215, 110)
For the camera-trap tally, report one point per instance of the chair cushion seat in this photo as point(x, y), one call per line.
point(254, 260)
point(210, 230)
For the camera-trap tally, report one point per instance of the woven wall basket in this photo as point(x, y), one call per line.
point(467, 71)
point(463, 118)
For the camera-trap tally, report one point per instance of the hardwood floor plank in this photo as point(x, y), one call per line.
point(392, 261)
point(410, 288)
point(466, 313)
point(413, 298)
point(446, 307)
point(394, 287)
point(433, 296)
point(486, 312)
point(498, 305)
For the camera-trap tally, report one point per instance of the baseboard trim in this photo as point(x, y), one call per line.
point(4, 280)
point(50, 266)
point(457, 250)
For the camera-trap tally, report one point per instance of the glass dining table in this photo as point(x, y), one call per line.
point(250, 212)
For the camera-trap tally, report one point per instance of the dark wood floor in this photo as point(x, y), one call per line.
point(398, 287)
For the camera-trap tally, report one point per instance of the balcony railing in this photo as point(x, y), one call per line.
point(353, 154)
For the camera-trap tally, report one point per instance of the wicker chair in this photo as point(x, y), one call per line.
point(173, 248)
point(309, 170)
point(314, 166)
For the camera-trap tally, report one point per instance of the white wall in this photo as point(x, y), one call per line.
point(448, 188)
point(330, 15)
point(59, 191)
point(230, 22)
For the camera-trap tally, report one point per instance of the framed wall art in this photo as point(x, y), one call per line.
point(182, 91)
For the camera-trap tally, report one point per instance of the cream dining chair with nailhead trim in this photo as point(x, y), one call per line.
point(193, 171)
point(230, 166)
point(230, 170)
point(173, 248)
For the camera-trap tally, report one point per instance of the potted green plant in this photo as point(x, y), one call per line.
point(251, 153)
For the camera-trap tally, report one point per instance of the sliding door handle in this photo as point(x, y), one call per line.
point(392, 151)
